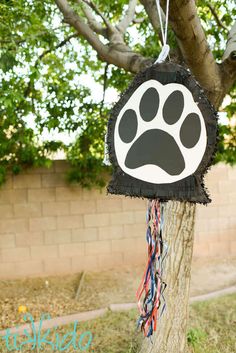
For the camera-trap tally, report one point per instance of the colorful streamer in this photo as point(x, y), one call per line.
point(152, 286)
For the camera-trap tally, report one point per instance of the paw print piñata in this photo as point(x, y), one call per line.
point(162, 137)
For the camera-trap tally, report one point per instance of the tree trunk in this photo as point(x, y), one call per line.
point(179, 234)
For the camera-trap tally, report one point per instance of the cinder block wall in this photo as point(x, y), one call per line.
point(215, 229)
point(48, 227)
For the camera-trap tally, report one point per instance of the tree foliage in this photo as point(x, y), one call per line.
point(44, 67)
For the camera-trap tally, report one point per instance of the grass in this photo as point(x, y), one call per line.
point(112, 333)
point(212, 326)
point(212, 329)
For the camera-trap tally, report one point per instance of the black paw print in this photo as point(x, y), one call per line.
point(160, 133)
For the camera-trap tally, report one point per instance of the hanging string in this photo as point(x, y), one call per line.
point(152, 286)
point(106, 160)
point(104, 89)
point(165, 48)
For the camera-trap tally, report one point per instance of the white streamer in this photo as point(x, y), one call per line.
point(166, 48)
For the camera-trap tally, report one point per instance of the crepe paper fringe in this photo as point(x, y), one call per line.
point(152, 286)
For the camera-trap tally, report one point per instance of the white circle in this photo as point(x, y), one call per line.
point(192, 156)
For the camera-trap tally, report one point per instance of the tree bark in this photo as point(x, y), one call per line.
point(228, 65)
point(170, 336)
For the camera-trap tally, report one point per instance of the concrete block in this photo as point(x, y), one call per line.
point(111, 232)
point(135, 230)
point(96, 220)
point(6, 211)
point(53, 180)
point(13, 225)
point(122, 218)
point(43, 223)
point(109, 205)
point(70, 250)
point(42, 252)
point(57, 266)
point(70, 222)
point(29, 268)
point(122, 245)
point(35, 195)
point(201, 250)
point(219, 248)
point(68, 193)
point(134, 258)
point(7, 240)
point(29, 239)
point(84, 235)
point(25, 181)
point(61, 166)
point(132, 204)
point(83, 206)
point(226, 186)
point(87, 263)
point(26, 210)
point(56, 208)
point(94, 194)
point(15, 254)
point(98, 247)
point(57, 236)
point(110, 260)
point(7, 269)
point(232, 247)
point(13, 196)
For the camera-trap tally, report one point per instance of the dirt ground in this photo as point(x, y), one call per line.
point(56, 295)
point(209, 275)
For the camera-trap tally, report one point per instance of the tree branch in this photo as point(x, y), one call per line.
point(190, 36)
point(193, 45)
point(230, 51)
point(99, 13)
point(112, 33)
point(138, 20)
point(128, 17)
point(151, 10)
point(228, 65)
point(117, 53)
point(29, 37)
point(92, 22)
point(46, 52)
point(214, 13)
point(61, 44)
point(81, 27)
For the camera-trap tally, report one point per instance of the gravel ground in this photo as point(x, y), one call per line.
point(56, 295)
